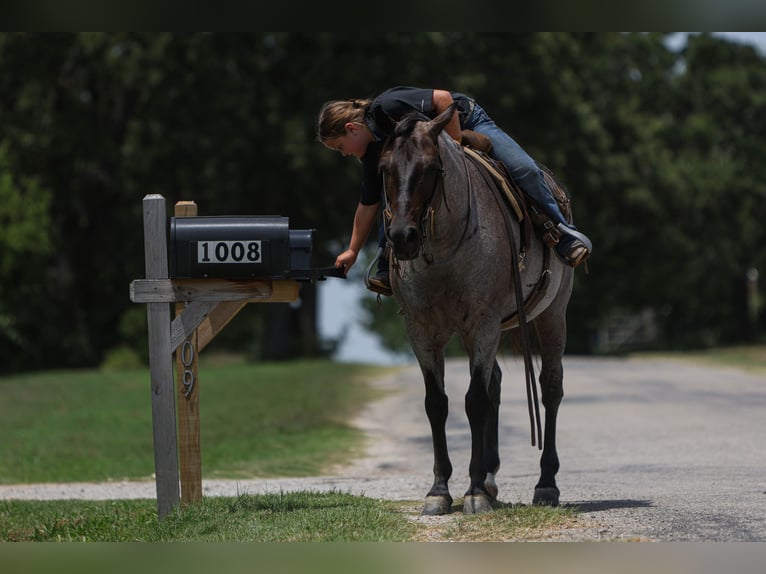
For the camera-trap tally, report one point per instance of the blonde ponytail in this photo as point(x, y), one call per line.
point(334, 115)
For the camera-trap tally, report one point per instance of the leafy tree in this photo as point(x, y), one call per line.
point(25, 245)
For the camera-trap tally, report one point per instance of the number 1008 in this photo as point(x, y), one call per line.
point(229, 252)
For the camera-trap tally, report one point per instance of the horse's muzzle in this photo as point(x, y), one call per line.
point(405, 241)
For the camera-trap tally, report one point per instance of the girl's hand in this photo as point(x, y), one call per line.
point(346, 260)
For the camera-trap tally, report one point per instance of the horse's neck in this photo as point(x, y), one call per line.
point(456, 210)
point(454, 162)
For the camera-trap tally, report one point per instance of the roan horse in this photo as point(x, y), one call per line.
point(453, 252)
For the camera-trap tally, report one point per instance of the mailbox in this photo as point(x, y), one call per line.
point(242, 247)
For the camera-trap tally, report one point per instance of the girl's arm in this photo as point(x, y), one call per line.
point(364, 221)
point(442, 99)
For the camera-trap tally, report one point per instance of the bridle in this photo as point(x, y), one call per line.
point(433, 205)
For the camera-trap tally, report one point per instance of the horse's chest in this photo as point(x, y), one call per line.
point(449, 302)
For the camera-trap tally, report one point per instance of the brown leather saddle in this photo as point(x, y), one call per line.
point(478, 147)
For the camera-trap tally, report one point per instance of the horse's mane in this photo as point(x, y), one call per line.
point(407, 123)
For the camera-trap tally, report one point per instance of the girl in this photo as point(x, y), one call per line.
point(358, 128)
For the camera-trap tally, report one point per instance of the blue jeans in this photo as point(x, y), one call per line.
point(521, 166)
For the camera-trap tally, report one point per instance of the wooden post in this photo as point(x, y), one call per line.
point(187, 385)
point(160, 360)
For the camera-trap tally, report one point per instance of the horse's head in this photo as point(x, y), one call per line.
point(412, 175)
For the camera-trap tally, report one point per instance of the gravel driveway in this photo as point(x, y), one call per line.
point(650, 450)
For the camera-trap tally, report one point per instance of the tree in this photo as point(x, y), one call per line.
point(660, 150)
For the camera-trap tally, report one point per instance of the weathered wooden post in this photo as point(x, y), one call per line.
point(188, 389)
point(160, 359)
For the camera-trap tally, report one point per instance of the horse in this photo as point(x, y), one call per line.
point(452, 255)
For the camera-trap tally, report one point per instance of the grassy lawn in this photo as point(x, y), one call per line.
point(287, 517)
point(287, 419)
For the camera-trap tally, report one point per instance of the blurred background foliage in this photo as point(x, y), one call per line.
point(663, 150)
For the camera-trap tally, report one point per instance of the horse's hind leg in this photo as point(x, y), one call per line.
point(551, 330)
point(491, 452)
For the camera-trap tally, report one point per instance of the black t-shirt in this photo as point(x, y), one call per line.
point(394, 103)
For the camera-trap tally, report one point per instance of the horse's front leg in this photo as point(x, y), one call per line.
point(482, 403)
point(438, 500)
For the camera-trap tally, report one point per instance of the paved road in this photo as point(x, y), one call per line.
point(649, 450)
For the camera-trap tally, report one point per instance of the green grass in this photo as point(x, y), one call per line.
point(288, 419)
point(750, 358)
point(510, 522)
point(288, 517)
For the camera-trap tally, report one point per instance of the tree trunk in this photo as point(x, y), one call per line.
point(290, 329)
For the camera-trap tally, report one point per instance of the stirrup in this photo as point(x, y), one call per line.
point(377, 286)
point(578, 255)
point(577, 235)
point(372, 283)
point(579, 249)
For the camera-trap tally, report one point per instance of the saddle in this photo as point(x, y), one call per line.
point(477, 147)
point(530, 216)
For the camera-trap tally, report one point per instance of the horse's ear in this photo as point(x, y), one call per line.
point(437, 124)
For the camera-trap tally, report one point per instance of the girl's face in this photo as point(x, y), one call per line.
point(353, 142)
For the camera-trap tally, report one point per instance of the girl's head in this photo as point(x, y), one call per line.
point(341, 126)
point(336, 114)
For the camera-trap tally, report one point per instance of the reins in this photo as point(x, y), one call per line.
point(431, 213)
point(533, 404)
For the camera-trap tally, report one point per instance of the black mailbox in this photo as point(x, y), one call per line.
point(241, 247)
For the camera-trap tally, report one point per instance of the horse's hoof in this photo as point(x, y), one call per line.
point(437, 505)
point(476, 504)
point(546, 496)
